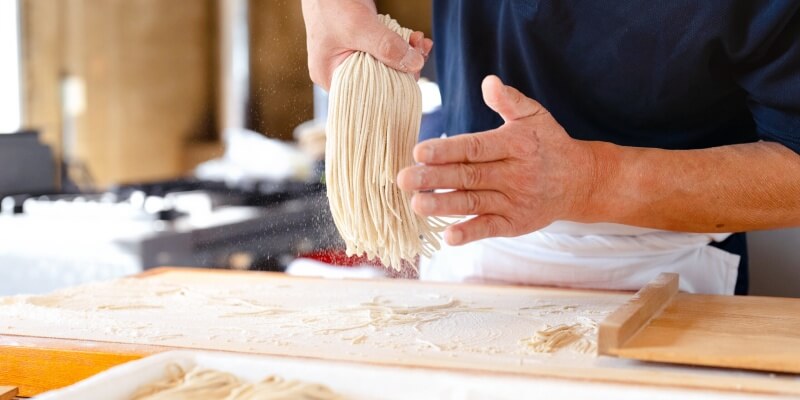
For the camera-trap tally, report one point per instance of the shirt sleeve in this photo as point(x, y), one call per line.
point(770, 72)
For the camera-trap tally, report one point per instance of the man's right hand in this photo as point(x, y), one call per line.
point(337, 28)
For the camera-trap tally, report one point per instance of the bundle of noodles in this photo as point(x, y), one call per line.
point(201, 383)
point(373, 124)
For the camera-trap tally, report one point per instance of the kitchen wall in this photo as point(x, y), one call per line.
point(122, 86)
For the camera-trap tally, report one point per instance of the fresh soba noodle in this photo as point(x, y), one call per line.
point(373, 123)
point(199, 383)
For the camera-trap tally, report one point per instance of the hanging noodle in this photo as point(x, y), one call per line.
point(373, 123)
point(199, 383)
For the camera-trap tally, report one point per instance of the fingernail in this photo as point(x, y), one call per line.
point(452, 236)
point(412, 60)
point(425, 52)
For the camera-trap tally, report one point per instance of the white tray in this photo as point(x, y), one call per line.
point(359, 381)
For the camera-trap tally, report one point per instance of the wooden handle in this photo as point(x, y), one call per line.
point(8, 392)
point(631, 317)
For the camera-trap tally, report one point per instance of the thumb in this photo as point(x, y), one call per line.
point(389, 47)
point(510, 103)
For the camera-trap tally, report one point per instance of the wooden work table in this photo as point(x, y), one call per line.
point(42, 362)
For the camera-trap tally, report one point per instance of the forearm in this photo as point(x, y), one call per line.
point(724, 189)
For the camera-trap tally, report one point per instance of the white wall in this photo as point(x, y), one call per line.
point(9, 67)
point(775, 262)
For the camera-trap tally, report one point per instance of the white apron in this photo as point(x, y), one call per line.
point(596, 256)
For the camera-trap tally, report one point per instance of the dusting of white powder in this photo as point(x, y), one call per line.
point(320, 317)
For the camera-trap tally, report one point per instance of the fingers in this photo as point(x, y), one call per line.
point(450, 176)
point(486, 146)
point(459, 203)
point(416, 39)
point(427, 47)
point(388, 47)
point(423, 45)
point(476, 147)
point(480, 227)
point(510, 103)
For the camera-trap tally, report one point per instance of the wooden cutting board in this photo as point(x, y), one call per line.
point(52, 358)
point(747, 332)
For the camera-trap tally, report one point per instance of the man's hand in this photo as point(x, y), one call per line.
point(516, 179)
point(335, 29)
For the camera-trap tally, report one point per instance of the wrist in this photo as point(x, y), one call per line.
point(596, 199)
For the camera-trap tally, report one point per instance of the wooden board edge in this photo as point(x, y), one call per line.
point(36, 365)
point(53, 368)
point(478, 286)
point(732, 364)
point(628, 319)
point(61, 356)
point(161, 270)
point(8, 392)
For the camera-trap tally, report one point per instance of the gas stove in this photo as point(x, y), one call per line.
point(66, 239)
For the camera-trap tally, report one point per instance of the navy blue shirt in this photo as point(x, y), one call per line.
point(674, 74)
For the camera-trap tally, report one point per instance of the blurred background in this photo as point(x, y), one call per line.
point(140, 133)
